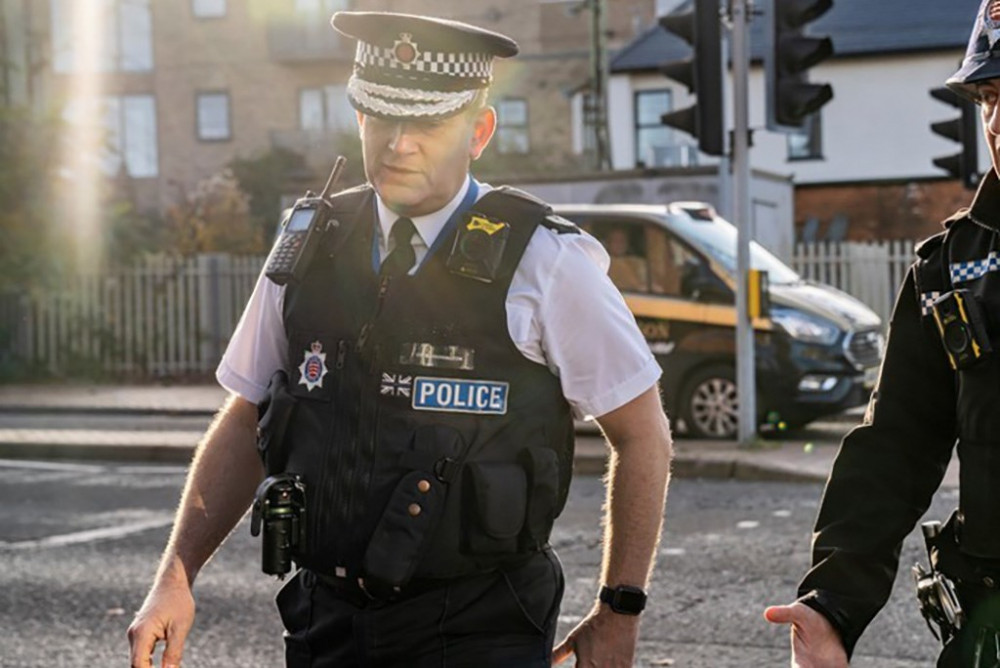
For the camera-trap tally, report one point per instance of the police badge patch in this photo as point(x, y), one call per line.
point(313, 366)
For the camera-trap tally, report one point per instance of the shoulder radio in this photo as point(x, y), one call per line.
point(301, 232)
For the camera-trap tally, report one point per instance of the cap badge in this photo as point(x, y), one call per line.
point(313, 366)
point(404, 50)
point(991, 17)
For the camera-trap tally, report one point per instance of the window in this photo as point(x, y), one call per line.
point(807, 143)
point(626, 244)
point(129, 139)
point(512, 126)
point(652, 139)
point(326, 109)
point(324, 7)
point(213, 116)
point(102, 36)
point(208, 9)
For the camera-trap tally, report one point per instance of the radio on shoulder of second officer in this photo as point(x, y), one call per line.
point(303, 228)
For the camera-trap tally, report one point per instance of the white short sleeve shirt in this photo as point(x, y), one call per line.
point(562, 311)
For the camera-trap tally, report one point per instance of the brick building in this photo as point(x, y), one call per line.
point(185, 86)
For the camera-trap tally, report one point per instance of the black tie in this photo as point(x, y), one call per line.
point(402, 257)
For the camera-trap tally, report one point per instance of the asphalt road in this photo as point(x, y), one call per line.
point(79, 544)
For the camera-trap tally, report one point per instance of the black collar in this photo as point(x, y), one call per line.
point(985, 209)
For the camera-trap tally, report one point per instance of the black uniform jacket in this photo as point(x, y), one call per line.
point(888, 468)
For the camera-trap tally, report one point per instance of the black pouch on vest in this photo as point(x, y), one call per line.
point(415, 506)
point(273, 416)
point(497, 496)
point(979, 497)
point(542, 466)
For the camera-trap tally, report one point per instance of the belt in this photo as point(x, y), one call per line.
point(366, 592)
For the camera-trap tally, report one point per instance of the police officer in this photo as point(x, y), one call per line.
point(434, 356)
point(940, 384)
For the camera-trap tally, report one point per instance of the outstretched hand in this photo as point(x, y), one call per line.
point(815, 643)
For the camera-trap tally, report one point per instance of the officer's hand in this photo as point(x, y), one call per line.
point(815, 643)
point(167, 614)
point(604, 638)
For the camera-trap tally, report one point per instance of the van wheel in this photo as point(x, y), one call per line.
point(710, 404)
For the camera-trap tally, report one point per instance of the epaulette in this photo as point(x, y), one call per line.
point(955, 217)
point(926, 248)
point(517, 192)
point(347, 195)
point(560, 225)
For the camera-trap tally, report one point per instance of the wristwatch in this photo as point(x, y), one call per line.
point(624, 599)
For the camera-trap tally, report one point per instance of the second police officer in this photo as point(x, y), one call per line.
point(939, 390)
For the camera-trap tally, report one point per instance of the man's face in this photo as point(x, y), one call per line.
point(989, 107)
point(417, 166)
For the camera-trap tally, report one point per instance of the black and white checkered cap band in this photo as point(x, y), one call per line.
point(469, 65)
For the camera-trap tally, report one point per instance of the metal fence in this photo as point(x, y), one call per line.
point(872, 272)
point(163, 316)
point(168, 316)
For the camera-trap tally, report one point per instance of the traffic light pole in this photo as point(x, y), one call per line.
point(742, 13)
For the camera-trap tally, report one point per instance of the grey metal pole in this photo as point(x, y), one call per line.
point(745, 371)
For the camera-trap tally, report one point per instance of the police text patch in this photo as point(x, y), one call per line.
point(454, 395)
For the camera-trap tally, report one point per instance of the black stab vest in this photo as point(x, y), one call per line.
point(969, 245)
point(430, 447)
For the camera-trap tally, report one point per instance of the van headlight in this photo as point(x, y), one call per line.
point(805, 327)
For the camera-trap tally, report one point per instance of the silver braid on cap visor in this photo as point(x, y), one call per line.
point(406, 102)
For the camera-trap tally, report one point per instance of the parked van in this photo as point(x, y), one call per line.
point(818, 349)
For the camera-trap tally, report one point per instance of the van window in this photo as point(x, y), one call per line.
point(626, 245)
point(668, 261)
point(644, 258)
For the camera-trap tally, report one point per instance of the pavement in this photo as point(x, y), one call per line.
point(804, 457)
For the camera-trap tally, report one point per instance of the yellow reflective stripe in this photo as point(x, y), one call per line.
point(667, 308)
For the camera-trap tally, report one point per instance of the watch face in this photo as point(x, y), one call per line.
point(625, 599)
point(630, 600)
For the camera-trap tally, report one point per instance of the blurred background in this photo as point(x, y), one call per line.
point(147, 148)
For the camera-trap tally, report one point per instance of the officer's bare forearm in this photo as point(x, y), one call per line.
point(220, 485)
point(637, 484)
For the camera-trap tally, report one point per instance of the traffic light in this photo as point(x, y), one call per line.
point(790, 96)
point(964, 130)
point(702, 74)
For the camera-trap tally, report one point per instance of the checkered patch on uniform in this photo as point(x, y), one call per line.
point(927, 300)
point(962, 272)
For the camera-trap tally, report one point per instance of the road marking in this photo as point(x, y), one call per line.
point(142, 470)
point(89, 536)
point(747, 524)
point(782, 513)
point(672, 551)
point(50, 466)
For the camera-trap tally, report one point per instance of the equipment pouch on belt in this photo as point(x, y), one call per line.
point(498, 493)
point(939, 603)
point(273, 415)
point(415, 507)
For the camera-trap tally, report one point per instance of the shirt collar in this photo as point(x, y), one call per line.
point(429, 226)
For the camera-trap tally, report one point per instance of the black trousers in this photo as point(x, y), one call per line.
point(977, 645)
point(500, 619)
